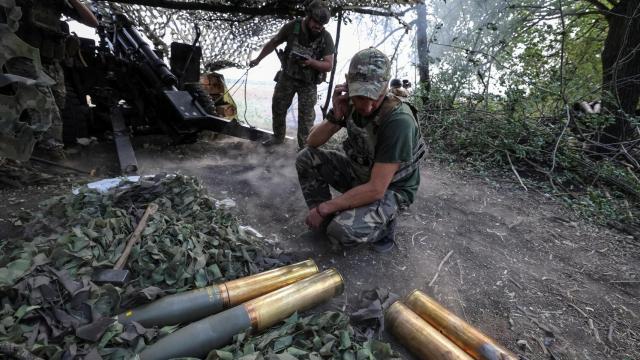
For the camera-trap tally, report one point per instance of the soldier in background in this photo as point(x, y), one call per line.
point(406, 84)
point(307, 57)
point(397, 89)
point(42, 28)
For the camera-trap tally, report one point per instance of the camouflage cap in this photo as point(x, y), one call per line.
point(369, 72)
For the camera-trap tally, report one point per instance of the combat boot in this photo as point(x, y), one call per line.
point(386, 243)
point(272, 141)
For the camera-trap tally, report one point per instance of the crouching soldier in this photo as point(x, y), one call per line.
point(378, 172)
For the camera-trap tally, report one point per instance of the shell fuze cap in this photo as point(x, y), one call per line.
point(319, 12)
point(369, 73)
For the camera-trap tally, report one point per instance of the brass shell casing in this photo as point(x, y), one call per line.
point(468, 338)
point(419, 337)
point(271, 308)
point(237, 291)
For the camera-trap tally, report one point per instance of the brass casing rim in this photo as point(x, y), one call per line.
point(224, 294)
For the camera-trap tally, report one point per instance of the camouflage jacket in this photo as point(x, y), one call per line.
point(292, 65)
point(360, 145)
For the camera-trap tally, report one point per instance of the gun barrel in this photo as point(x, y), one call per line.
point(422, 339)
point(159, 67)
point(196, 304)
point(200, 337)
point(468, 338)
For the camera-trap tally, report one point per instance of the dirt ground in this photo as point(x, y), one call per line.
point(515, 264)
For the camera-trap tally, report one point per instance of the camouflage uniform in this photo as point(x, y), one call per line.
point(318, 170)
point(283, 94)
point(28, 111)
point(297, 78)
point(400, 92)
point(59, 93)
point(42, 28)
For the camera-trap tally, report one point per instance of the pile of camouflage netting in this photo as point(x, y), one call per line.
point(325, 335)
point(50, 307)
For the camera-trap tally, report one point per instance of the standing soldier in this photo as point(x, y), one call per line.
point(41, 28)
point(307, 57)
point(378, 172)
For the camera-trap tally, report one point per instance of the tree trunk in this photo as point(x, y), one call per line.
point(423, 52)
point(621, 69)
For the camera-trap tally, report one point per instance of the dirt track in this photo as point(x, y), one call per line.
point(515, 264)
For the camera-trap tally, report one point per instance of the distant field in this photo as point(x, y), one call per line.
point(258, 111)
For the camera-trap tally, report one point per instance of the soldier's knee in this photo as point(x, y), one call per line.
point(344, 235)
point(303, 159)
point(307, 157)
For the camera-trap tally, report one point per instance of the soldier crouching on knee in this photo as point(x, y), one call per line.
point(378, 171)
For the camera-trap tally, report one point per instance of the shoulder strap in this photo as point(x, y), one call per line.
point(390, 103)
point(296, 27)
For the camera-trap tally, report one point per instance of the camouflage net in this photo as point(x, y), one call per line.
point(49, 305)
point(319, 336)
point(226, 37)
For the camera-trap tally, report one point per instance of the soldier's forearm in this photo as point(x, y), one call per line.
point(358, 196)
point(321, 133)
point(320, 65)
point(374, 189)
point(266, 50)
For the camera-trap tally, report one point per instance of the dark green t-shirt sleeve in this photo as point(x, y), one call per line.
point(329, 47)
point(396, 139)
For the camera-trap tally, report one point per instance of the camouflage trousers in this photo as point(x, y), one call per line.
point(55, 93)
point(283, 93)
point(59, 92)
point(318, 170)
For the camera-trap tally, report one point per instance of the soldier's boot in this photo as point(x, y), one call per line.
point(386, 243)
point(272, 141)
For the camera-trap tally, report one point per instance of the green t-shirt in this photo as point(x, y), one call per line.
point(304, 37)
point(396, 138)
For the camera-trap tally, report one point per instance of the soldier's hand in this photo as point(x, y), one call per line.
point(314, 219)
point(254, 62)
point(340, 100)
point(309, 62)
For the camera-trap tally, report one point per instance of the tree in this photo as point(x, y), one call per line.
point(423, 51)
point(620, 65)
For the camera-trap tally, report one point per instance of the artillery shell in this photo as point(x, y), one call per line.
point(419, 337)
point(196, 304)
point(200, 337)
point(468, 338)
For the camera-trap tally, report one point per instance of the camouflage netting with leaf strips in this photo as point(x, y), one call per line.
point(325, 335)
point(226, 37)
point(49, 304)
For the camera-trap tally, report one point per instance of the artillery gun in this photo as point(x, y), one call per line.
point(134, 89)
